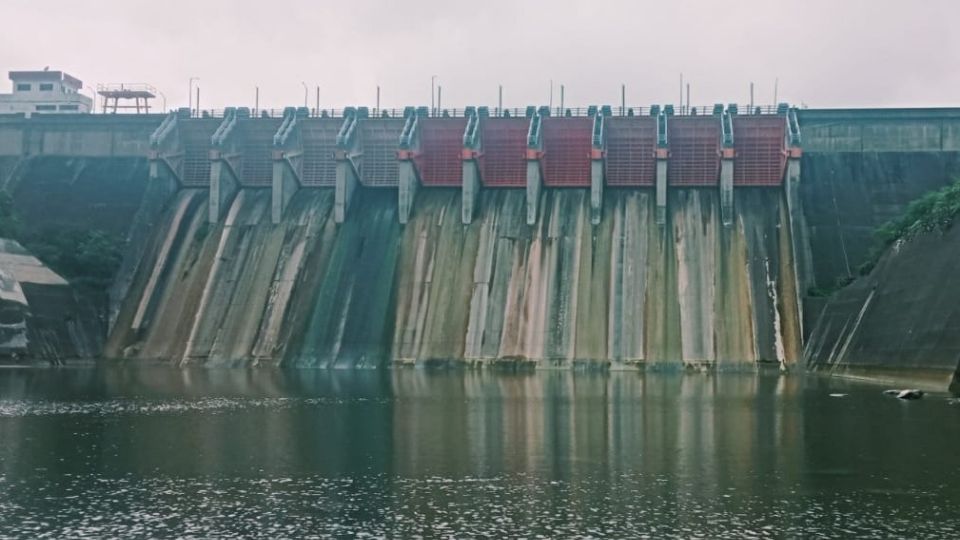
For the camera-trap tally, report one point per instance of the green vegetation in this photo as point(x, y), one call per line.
point(9, 222)
point(87, 256)
point(934, 212)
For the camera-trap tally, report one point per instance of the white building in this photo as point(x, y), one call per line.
point(44, 92)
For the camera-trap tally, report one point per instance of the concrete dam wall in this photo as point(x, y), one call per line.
point(312, 293)
point(860, 171)
point(65, 208)
point(900, 321)
point(353, 241)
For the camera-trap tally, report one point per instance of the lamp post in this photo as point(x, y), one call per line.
point(306, 93)
point(433, 110)
point(190, 93)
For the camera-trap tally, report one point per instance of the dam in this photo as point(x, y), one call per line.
point(621, 237)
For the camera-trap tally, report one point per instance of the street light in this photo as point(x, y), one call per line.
point(306, 93)
point(433, 110)
point(190, 93)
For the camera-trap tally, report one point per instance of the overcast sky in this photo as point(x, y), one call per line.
point(826, 53)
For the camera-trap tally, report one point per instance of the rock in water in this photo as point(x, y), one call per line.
point(908, 394)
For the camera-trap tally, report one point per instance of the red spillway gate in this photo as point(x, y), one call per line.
point(319, 151)
point(441, 142)
point(195, 136)
point(694, 150)
point(379, 141)
point(760, 150)
point(256, 142)
point(566, 151)
point(503, 158)
point(631, 150)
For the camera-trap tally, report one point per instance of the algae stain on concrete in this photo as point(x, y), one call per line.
point(369, 291)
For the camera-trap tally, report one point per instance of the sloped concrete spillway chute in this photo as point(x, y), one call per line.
point(646, 238)
point(368, 292)
point(902, 321)
point(348, 295)
point(562, 291)
point(217, 293)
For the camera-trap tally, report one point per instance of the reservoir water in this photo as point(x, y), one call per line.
point(207, 453)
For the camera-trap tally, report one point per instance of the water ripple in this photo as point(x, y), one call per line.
point(377, 506)
point(114, 407)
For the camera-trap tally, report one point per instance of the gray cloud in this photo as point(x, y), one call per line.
point(825, 52)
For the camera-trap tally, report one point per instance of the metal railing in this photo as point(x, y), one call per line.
point(515, 112)
point(127, 87)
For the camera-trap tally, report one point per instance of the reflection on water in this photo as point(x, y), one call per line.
point(242, 453)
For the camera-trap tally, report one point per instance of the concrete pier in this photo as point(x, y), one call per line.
point(534, 185)
point(347, 182)
point(534, 168)
point(726, 188)
point(597, 157)
point(727, 155)
point(663, 155)
point(661, 217)
point(470, 163)
point(596, 190)
point(407, 189)
point(347, 174)
point(471, 187)
point(284, 186)
point(224, 186)
point(225, 162)
point(287, 164)
point(408, 174)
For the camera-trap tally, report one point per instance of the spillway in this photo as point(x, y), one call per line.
point(370, 292)
point(217, 293)
point(556, 238)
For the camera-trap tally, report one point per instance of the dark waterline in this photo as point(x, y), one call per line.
point(156, 452)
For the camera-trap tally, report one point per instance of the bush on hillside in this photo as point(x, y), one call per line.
point(9, 222)
point(935, 211)
point(89, 256)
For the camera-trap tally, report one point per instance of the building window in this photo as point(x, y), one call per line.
point(46, 87)
point(69, 107)
point(46, 107)
point(23, 87)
